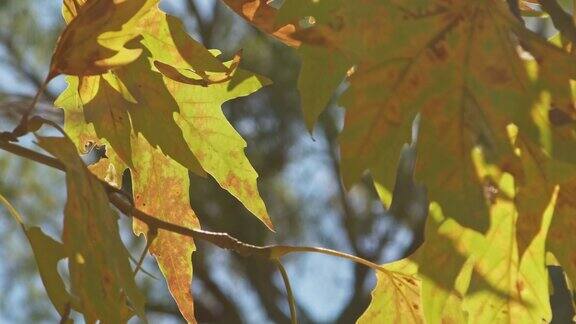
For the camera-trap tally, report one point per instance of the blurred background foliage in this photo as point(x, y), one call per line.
point(299, 181)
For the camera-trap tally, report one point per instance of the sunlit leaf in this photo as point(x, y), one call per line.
point(219, 148)
point(454, 62)
point(83, 134)
point(183, 120)
point(396, 298)
point(505, 286)
point(161, 188)
point(94, 39)
point(152, 112)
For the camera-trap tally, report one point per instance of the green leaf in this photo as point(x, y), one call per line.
point(169, 43)
point(396, 298)
point(507, 287)
point(322, 70)
point(453, 62)
point(48, 252)
point(562, 230)
point(219, 148)
point(83, 134)
point(107, 111)
point(99, 267)
point(172, 127)
point(152, 112)
point(214, 142)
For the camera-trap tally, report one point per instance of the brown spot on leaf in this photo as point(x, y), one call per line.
point(519, 286)
point(558, 117)
point(337, 24)
point(439, 52)
point(497, 74)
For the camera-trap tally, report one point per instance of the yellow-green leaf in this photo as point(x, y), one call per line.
point(160, 188)
point(100, 272)
point(94, 39)
point(219, 148)
point(396, 297)
point(107, 111)
point(152, 112)
point(48, 252)
point(507, 287)
point(454, 62)
point(84, 134)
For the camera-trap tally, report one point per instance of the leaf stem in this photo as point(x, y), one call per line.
point(152, 233)
point(40, 91)
point(282, 250)
point(291, 299)
point(11, 209)
point(23, 128)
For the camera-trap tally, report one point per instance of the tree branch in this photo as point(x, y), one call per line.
point(222, 240)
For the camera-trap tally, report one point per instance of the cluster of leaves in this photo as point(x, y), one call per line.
point(495, 147)
point(138, 84)
point(495, 144)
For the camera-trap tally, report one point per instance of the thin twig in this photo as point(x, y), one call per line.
point(11, 209)
point(17, 61)
point(514, 8)
point(562, 20)
point(22, 128)
point(150, 237)
point(289, 293)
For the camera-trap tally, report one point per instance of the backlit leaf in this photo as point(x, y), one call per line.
point(161, 128)
point(108, 112)
point(507, 287)
point(454, 62)
point(48, 252)
point(100, 271)
point(161, 188)
point(94, 39)
point(83, 134)
point(153, 110)
point(396, 298)
point(219, 148)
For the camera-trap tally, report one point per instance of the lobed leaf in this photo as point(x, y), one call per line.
point(160, 128)
point(48, 252)
point(160, 188)
point(101, 276)
point(454, 62)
